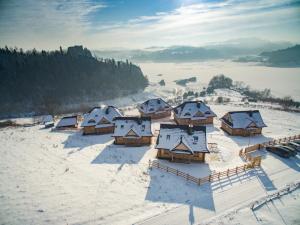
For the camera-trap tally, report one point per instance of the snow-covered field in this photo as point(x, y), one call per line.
point(62, 177)
point(281, 81)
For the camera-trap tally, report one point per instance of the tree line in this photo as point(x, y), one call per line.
point(39, 80)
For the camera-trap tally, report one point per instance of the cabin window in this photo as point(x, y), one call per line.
point(195, 138)
point(207, 112)
point(187, 114)
point(168, 137)
point(143, 127)
point(122, 126)
point(151, 109)
point(92, 121)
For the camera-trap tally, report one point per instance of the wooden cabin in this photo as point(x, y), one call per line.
point(132, 131)
point(193, 113)
point(68, 122)
point(182, 143)
point(155, 108)
point(243, 123)
point(99, 120)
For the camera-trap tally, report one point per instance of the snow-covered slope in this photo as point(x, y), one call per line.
point(62, 177)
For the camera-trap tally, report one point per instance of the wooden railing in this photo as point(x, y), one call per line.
point(290, 188)
point(212, 177)
point(244, 152)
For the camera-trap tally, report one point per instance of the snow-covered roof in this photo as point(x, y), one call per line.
point(182, 138)
point(244, 119)
point(155, 105)
point(47, 119)
point(194, 110)
point(101, 116)
point(67, 121)
point(132, 127)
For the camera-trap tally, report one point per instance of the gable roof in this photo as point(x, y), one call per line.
point(190, 110)
point(131, 132)
point(141, 126)
point(67, 121)
point(155, 105)
point(171, 136)
point(96, 114)
point(243, 119)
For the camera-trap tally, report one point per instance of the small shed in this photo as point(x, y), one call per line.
point(182, 143)
point(243, 123)
point(48, 121)
point(68, 122)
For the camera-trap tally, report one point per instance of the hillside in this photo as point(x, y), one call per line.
point(289, 57)
point(41, 81)
point(63, 177)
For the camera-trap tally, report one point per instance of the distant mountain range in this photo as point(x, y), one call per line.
point(231, 49)
point(288, 57)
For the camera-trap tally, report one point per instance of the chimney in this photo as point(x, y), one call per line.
point(107, 110)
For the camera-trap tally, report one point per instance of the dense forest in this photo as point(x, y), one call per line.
point(35, 81)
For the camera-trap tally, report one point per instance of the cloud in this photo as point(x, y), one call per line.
point(40, 22)
point(54, 23)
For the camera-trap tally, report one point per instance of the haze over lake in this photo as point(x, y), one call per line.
point(281, 81)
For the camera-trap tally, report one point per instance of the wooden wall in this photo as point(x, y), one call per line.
point(157, 115)
point(166, 154)
point(133, 141)
point(240, 132)
point(102, 130)
point(209, 120)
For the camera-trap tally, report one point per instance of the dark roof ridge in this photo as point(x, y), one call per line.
point(244, 111)
point(136, 118)
point(182, 127)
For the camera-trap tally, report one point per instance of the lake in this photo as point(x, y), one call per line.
point(281, 81)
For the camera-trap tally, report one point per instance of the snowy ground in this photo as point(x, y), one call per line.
point(62, 177)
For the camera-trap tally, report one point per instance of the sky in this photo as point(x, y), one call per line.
point(135, 24)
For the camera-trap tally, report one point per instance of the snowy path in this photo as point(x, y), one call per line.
point(238, 195)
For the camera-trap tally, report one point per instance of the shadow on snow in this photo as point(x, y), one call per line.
point(118, 154)
point(169, 188)
point(75, 139)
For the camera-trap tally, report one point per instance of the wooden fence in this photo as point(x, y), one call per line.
point(290, 188)
point(212, 177)
point(243, 152)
